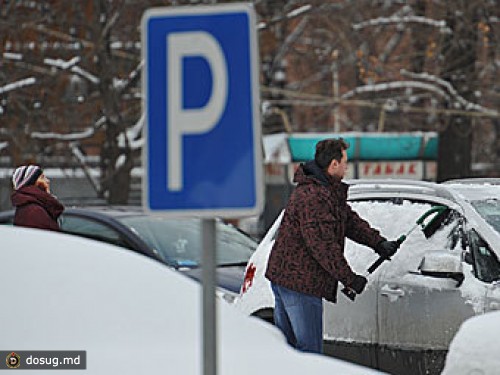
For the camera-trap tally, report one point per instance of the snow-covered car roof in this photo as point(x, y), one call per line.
point(452, 191)
point(391, 187)
point(129, 313)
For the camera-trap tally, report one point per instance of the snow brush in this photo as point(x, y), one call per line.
point(441, 213)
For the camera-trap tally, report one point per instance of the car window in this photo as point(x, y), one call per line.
point(485, 262)
point(234, 246)
point(394, 218)
point(179, 241)
point(91, 229)
point(489, 209)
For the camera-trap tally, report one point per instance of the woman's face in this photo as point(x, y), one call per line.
point(43, 182)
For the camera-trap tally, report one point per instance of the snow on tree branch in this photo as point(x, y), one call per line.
point(83, 73)
point(3, 145)
point(89, 132)
point(396, 85)
point(12, 56)
point(64, 137)
point(136, 130)
point(62, 64)
point(120, 161)
point(132, 135)
point(123, 84)
point(294, 13)
point(441, 25)
point(71, 65)
point(297, 12)
point(450, 95)
point(77, 153)
point(461, 101)
point(17, 84)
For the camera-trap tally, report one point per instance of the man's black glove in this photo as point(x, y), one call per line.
point(359, 283)
point(387, 249)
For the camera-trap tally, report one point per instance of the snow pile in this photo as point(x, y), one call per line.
point(474, 350)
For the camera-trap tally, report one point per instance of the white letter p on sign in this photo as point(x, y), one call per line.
point(183, 121)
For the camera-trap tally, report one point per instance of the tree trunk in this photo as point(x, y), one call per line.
point(454, 153)
point(460, 54)
point(115, 177)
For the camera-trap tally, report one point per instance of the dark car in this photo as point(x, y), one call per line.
point(174, 242)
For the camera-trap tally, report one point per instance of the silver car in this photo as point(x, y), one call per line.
point(414, 304)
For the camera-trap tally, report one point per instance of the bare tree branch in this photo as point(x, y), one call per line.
point(441, 25)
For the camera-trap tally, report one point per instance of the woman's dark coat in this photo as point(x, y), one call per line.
point(35, 208)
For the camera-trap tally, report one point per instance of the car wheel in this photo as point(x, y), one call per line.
point(265, 314)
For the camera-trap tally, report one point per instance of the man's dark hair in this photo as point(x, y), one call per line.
point(329, 149)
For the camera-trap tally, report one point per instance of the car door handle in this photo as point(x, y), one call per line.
point(392, 292)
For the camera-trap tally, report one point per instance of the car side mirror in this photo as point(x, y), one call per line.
point(467, 256)
point(442, 264)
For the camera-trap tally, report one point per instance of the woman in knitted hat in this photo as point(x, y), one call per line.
point(35, 206)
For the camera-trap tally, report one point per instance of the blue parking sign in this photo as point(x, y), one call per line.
point(203, 153)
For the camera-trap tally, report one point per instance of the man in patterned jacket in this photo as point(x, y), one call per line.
point(307, 260)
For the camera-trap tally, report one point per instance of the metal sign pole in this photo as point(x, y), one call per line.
point(209, 303)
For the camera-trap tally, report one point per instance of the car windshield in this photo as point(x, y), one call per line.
point(484, 199)
point(489, 209)
point(179, 241)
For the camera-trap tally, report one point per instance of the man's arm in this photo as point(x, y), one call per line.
point(358, 229)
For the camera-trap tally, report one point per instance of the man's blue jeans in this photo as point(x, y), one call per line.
point(300, 317)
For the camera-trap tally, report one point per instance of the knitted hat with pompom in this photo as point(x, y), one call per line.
point(26, 175)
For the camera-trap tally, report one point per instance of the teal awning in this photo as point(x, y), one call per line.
point(370, 146)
